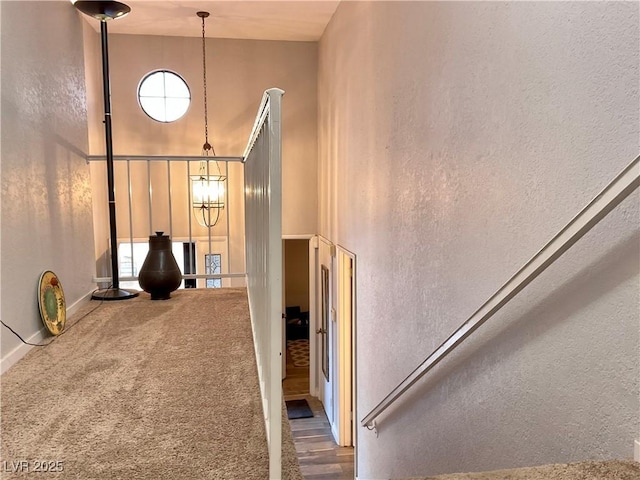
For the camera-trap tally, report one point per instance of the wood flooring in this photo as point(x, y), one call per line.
point(318, 455)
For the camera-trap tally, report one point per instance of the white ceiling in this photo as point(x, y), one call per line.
point(299, 20)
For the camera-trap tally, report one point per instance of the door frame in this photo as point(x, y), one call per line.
point(346, 349)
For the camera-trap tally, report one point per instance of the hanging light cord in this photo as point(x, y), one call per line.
point(207, 146)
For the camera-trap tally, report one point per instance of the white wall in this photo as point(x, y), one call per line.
point(46, 194)
point(455, 140)
point(238, 72)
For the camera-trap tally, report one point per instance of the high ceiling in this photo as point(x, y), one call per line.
point(300, 20)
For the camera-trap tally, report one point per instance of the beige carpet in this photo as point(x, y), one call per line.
point(143, 389)
point(606, 470)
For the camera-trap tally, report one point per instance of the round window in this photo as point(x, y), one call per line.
point(164, 96)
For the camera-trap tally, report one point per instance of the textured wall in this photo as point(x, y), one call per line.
point(455, 140)
point(97, 146)
point(238, 72)
point(46, 195)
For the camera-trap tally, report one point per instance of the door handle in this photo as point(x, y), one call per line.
point(321, 330)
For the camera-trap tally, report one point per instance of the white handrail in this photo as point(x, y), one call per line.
point(263, 233)
point(614, 193)
point(263, 111)
point(167, 158)
point(187, 276)
point(133, 185)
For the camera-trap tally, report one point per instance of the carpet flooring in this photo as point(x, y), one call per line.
point(603, 470)
point(142, 389)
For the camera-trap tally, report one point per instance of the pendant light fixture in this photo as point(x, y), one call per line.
point(208, 187)
point(105, 11)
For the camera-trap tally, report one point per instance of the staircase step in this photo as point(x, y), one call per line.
point(602, 470)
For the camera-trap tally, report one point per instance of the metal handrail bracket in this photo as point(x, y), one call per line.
point(614, 193)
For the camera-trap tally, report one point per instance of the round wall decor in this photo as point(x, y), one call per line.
point(53, 309)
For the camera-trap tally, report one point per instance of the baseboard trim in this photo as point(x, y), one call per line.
point(334, 432)
point(75, 306)
point(21, 350)
point(636, 450)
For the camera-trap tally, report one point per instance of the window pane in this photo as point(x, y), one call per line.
point(154, 107)
point(213, 265)
point(153, 85)
point(175, 86)
point(176, 107)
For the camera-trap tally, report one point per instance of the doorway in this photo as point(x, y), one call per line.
point(331, 376)
point(296, 316)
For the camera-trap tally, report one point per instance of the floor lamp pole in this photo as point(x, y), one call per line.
point(115, 283)
point(114, 292)
point(104, 11)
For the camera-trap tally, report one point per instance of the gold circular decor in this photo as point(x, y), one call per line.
point(53, 309)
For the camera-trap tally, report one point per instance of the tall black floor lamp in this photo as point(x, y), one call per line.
point(103, 11)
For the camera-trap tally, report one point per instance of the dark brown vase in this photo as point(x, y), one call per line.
point(160, 274)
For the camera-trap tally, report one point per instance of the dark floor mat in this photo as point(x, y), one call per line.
point(298, 409)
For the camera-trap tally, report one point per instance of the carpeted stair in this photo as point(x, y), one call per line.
point(604, 470)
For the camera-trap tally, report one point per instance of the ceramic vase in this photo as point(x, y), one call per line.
point(160, 274)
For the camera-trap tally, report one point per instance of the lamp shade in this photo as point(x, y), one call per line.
point(103, 10)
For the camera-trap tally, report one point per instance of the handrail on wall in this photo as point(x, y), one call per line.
point(614, 193)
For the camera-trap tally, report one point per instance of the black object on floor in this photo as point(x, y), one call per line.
point(298, 409)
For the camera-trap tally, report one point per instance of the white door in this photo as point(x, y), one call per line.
point(324, 330)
